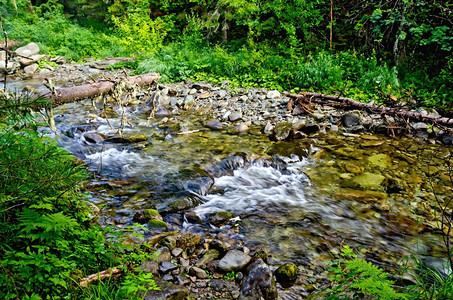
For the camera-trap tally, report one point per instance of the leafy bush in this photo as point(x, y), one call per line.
point(48, 243)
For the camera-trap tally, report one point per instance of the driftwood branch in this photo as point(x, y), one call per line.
point(112, 272)
point(351, 103)
point(76, 93)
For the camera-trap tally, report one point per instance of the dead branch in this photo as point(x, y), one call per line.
point(343, 102)
point(76, 93)
point(114, 272)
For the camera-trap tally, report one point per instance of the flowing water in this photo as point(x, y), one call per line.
point(302, 200)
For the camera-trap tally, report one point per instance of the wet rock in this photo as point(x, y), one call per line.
point(235, 116)
point(310, 128)
point(365, 181)
point(221, 94)
point(300, 148)
point(282, 131)
point(127, 138)
point(234, 260)
point(220, 218)
point(349, 120)
point(447, 139)
point(176, 252)
point(214, 125)
point(259, 283)
point(180, 205)
point(195, 180)
point(28, 50)
point(199, 273)
point(219, 245)
point(239, 128)
point(192, 217)
point(381, 160)
point(187, 239)
point(182, 280)
point(168, 291)
point(361, 196)
point(151, 241)
point(286, 274)
point(150, 266)
point(169, 242)
point(157, 224)
point(209, 256)
point(94, 138)
point(161, 112)
point(262, 254)
point(167, 266)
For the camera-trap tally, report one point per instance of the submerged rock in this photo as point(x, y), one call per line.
point(365, 181)
point(214, 125)
point(361, 196)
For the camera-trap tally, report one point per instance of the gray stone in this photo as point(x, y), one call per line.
point(192, 217)
point(167, 277)
point(273, 94)
point(234, 260)
point(167, 266)
point(13, 66)
point(150, 266)
point(174, 101)
point(420, 126)
point(32, 59)
point(192, 91)
point(214, 125)
point(28, 50)
point(334, 128)
point(188, 101)
point(268, 129)
point(221, 94)
point(2, 55)
point(198, 272)
point(31, 69)
point(176, 251)
point(45, 72)
point(168, 291)
point(92, 137)
point(259, 283)
point(209, 256)
point(161, 112)
point(243, 98)
point(447, 139)
point(235, 116)
point(349, 120)
point(103, 64)
point(162, 254)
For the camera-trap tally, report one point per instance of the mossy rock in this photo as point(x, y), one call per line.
point(157, 224)
point(365, 181)
point(283, 131)
point(361, 196)
point(127, 138)
point(381, 160)
point(152, 214)
point(286, 273)
point(220, 217)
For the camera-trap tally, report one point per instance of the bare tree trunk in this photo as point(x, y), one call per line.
point(351, 103)
point(76, 93)
point(331, 23)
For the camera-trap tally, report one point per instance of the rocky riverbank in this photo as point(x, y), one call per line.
point(207, 256)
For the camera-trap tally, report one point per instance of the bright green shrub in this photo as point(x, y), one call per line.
point(354, 278)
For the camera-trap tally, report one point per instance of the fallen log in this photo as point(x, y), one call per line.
point(330, 100)
point(112, 272)
point(76, 93)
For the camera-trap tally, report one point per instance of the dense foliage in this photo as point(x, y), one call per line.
point(48, 243)
point(369, 50)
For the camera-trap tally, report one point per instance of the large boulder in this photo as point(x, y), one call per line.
point(259, 283)
point(28, 50)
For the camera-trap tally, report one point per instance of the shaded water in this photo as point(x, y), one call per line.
point(370, 192)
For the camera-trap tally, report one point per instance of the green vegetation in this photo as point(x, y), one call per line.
point(48, 243)
point(355, 278)
point(378, 51)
